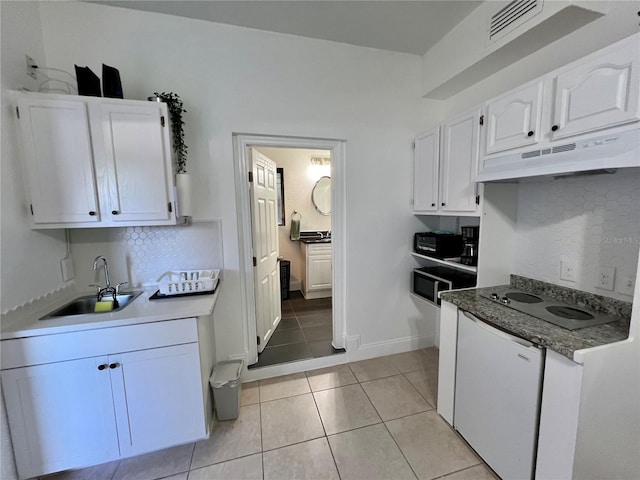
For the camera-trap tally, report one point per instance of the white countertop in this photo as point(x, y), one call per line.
point(24, 322)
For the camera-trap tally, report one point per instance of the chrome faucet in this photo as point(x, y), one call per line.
point(107, 289)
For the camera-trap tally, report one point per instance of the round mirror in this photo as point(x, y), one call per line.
point(321, 196)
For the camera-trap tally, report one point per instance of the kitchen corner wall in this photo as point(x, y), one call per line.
point(588, 221)
point(139, 255)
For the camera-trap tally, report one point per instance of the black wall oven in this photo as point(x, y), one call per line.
point(427, 282)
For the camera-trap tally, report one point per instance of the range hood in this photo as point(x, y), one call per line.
point(595, 154)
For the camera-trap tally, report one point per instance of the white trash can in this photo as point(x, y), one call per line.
point(225, 382)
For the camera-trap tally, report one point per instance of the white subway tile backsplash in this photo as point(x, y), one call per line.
point(587, 221)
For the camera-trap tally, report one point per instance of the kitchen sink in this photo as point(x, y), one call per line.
point(87, 304)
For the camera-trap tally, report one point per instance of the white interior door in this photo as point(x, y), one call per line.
point(264, 224)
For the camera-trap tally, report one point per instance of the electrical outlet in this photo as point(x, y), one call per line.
point(627, 285)
point(31, 67)
point(605, 278)
point(567, 271)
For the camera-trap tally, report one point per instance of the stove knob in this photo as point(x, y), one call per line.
point(505, 300)
point(494, 296)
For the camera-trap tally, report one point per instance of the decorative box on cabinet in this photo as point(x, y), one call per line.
point(82, 398)
point(445, 167)
point(317, 274)
point(95, 162)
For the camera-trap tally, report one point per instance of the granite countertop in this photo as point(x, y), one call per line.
point(24, 321)
point(560, 340)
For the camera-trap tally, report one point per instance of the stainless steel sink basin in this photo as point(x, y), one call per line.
point(87, 304)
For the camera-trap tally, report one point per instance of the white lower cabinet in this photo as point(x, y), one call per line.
point(317, 273)
point(82, 412)
point(61, 415)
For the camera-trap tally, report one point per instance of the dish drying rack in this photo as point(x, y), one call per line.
point(188, 281)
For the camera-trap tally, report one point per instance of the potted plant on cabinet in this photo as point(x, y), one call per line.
point(183, 179)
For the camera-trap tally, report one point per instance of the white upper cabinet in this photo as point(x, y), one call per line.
point(426, 172)
point(460, 163)
point(445, 167)
point(139, 178)
point(58, 160)
point(597, 94)
point(96, 162)
point(513, 119)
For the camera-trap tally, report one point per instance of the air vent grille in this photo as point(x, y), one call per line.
point(514, 14)
point(564, 148)
point(534, 153)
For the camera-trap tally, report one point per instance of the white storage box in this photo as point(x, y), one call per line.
point(188, 281)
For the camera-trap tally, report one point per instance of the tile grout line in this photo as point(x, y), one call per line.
point(400, 449)
point(193, 452)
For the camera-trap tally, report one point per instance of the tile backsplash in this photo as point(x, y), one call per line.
point(588, 221)
point(140, 255)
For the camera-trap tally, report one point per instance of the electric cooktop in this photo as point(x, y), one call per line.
point(547, 308)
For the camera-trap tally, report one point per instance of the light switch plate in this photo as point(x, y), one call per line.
point(66, 265)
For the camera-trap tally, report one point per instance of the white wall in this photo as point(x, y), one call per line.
point(241, 80)
point(299, 179)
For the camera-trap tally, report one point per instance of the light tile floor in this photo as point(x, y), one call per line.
point(373, 419)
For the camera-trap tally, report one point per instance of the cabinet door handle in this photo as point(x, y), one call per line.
point(554, 128)
point(530, 134)
point(433, 204)
point(443, 204)
point(114, 365)
point(102, 367)
point(92, 213)
point(115, 212)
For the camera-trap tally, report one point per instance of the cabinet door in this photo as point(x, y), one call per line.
point(319, 272)
point(425, 172)
point(60, 415)
point(158, 397)
point(59, 161)
point(138, 160)
point(513, 120)
point(598, 94)
point(460, 163)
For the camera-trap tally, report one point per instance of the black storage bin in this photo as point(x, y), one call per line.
point(285, 279)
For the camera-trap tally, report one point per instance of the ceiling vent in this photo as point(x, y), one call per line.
point(512, 16)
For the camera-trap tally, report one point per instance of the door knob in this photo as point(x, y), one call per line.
point(114, 365)
point(115, 212)
point(102, 367)
point(92, 213)
point(433, 204)
point(554, 128)
point(530, 134)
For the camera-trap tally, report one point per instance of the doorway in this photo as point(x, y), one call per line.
point(305, 324)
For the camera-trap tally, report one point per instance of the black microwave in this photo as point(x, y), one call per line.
point(439, 245)
point(427, 282)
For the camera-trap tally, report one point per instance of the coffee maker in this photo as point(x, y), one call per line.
point(470, 245)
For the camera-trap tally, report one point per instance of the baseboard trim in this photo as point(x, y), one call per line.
point(388, 347)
